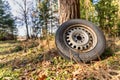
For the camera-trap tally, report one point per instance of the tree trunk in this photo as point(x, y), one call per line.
point(68, 9)
point(26, 24)
point(25, 17)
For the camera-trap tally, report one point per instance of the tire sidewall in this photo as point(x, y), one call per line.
point(87, 56)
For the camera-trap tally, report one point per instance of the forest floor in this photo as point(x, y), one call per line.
point(35, 60)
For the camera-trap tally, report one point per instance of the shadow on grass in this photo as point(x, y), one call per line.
point(10, 51)
point(39, 58)
point(9, 41)
point(22, 46)
point(107, 53)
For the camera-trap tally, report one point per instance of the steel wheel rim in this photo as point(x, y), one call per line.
point(80, 38)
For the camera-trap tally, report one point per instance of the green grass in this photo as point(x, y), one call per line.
point(32, 63)
point(8, 74)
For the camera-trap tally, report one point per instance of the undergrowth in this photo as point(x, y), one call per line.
point(33, 61)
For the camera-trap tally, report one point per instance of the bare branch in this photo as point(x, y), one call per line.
point(19, 4)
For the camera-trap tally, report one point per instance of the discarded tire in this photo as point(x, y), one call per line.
point(80, 40)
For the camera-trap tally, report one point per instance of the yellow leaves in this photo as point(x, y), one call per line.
point(46, 64)
point(44, 70)
point(40, 5)
point(117, 43)
point(87, 3)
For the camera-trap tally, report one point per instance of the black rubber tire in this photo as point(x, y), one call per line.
point(66, 52)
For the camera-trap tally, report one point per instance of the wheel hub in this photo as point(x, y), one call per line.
point(80, 38)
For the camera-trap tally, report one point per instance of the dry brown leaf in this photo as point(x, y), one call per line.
point(46, 63)
point(43, 77)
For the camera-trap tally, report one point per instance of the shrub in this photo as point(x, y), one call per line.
point(17, 48)
point(33, 44)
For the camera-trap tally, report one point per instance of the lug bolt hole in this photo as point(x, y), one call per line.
point(74, 46)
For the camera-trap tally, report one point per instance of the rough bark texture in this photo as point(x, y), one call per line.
point(69, 9)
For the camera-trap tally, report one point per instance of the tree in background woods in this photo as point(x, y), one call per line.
point(46, 16)
point(23, 17)
point(7, 27)
point(108, 16)
point(36, 29)
point(87, 11)
point(53, 15)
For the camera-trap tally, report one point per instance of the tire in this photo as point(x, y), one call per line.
point(80, 40)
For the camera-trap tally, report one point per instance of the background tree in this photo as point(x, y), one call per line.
point(44, 15)
point(87, 10)
point(53, 15)
point(47, 18)
point(24, 10)
point(36, 29)
point(107, 15)
point(7, 26)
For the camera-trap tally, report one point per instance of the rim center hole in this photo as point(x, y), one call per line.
point(79, 38)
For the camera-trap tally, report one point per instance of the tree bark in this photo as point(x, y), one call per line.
point(26, 24)
point(68, 9)
point(25, 17)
